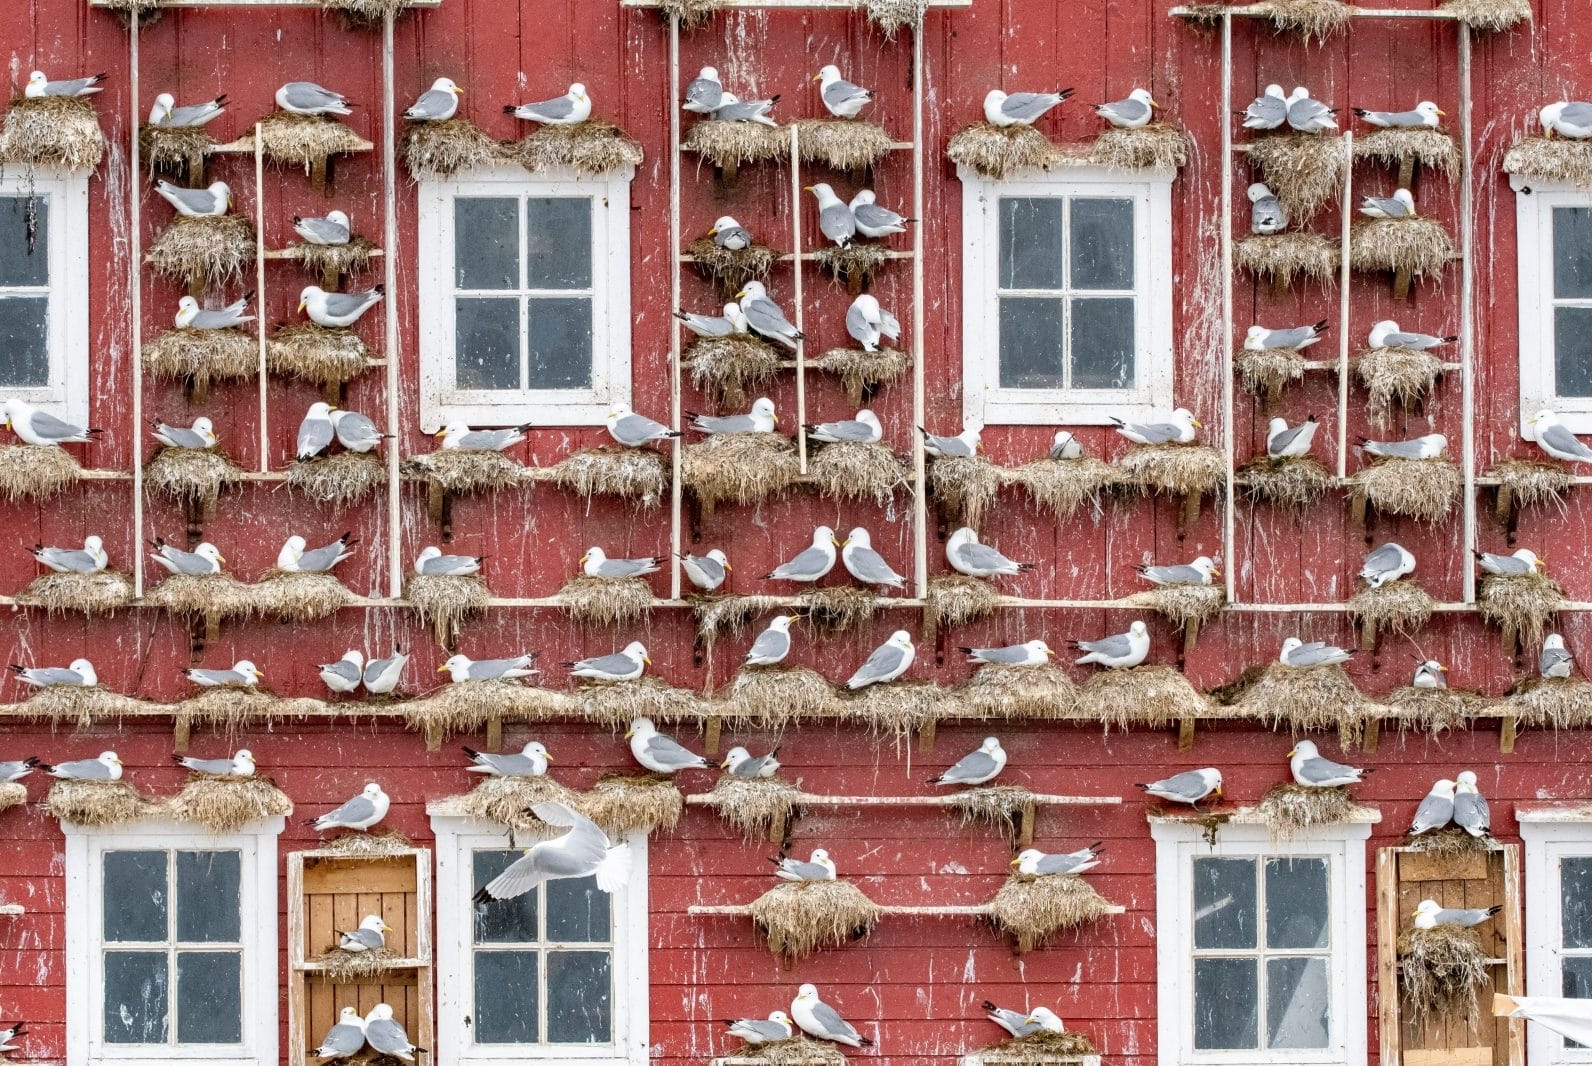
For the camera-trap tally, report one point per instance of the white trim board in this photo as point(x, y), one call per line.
point(66, 247)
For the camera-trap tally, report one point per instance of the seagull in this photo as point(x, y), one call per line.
point(1019, 109)
point(1024, 1023)
point(1522, 561)
point(204, 559)
point(1032, 653)
point(1309, 115)
point(307, 98)
point(1555, 660)
point(733, 109)
point(571, 109)
point(595, 563)
point(627, 664)
point(741, 763)
point(315, 432)
point(295, 559)
point(1120, 651)
point(1471, 812)
point(1131, 113)
point(359, 813)
point(1400, 205)
point(841, 98)
point(432, 563)
point(977, 767)
point(704, 92)
point(817, 1018)
point(864, 429)
point(242, 673)
point(197, 203)
point(1260, 339)
point(1555, 438)
point(1386, 564)
point(336, 310)
point(240, 765)
point(1436, 810)
point(1267, 214)
point(1567, 118)
point(632, 430)
point(1429, 674)
point(819, 868)
point(760, 419)
point(835, 219)
point(370, 936)
point(772, 644)
point(107, 766)
point(867, 565)
point(1189, 787)
point(1268, 111)
point(764, 317)
point(1429, 915)
point(16, 770)
point(1298, 654)
point(1198, 572)
point(437, 104)
point(811, 563)
point(966, 443)
point(456, 436)
point(756, 1031)
point(967, 556)
point(1430, 446)
point(584, 851)
point(729, 324)
point(1065, 446)
point(333, 229)
point(383, 675)
point(1387, 334)
point(191, 316)
point(462, 668)
point(1290, 442)
point(868, 323)
point(39, 85)
point(1425, 114)
point(345, 1039)
point(706, 571)
point(41, 427)
point(875, 221)
point(531, 761)
point(889, 661)
point(78, 674)
point(730, 234)
point(167, 114)
point(1034, 863)
point(10, 1033)
point(344, 675)
point(90, 559)
point(1312, 771)
point(1180, 430)
point(386, 1036)
point(659, 753)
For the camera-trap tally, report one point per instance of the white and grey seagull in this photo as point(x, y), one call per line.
point(166, 113)
point(456, 436)
point(1198, 572)
point(241, 674)
point(89, 559)
point(529, 761)
point(817, 1018)
point(337, 310)
point(1471, 810)
point(863, 429)
point(730, 323)
point(760, 419)
point(344, 674)
point(1035, 863)
point(596, 563)
point(296, 558)
point(38, 85)
point(627, 664)
point(345, 1039)
point(1424, 115)
point(1260, 339)
point(758, 1031)
point(841, 98)
point(1386, 334)
point(1130, 113)
point(743, 764)
point(818, 868)
point(359, 813)
point(967, 556)
point(211, 202)
point(1268, 111)
point(1267, 214)
point(889, 661)
point(1520, 561)
point(1429, 914)
point(1436, 810)
point(331, 230)
point(1019, 109)
point(1290, 442)
point(764, 317)
point(77, 674)
point(966, 443)
point(1298, 654)
point(867, 565)
point(1555, 660)
point(979, 766)
point(708, 570)
point(730, 234)
point(308, 98)
point(835, 220)
point(191, 316)
point(1386, 564)
point(571, 109)
point(316, 431)
point(1429, 446)
point(432, 563)
point(41, 427)
point(704, 92)
point(1400, 205)
point(1567, 118)
point(1312, 771)
point(241, 764)
point(1309, 115)
point(1556, 439)
point(106, 766)
point(632, 430)
point(1180, 429)
point(584, 851)
point(875, 221)
point(206, 558)
point(387, 1037)
point(660, 753)
point(1430, 674)
point(811, 563)
point(437, 104)
point(1030, 653)
point(382, 675)
point(370, 936)
point(870, 324)
point(462, 668)
point(1120, 651)
point(1190, 787)
point(772, 644)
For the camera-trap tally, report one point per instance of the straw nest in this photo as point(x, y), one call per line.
point(299, 597)
point(336, 259)
point(314, 353)
point(857, 470)
point(1309, 18)
point(1560, 702)
point(1448, 843)
point(191, 476)
point(731, 144)
point(997, 807)
point(202, 356)
point(1061, 486)
point(357, 845)
point(1035, 909)
point(618, 703)
point(770, 697)
point(460, 472)
point(1489, 15)
point(444, 601)
point(467, 706)
point(213, 250)
point(639, 474)
point(230, 708)
point(1293, 483)
point(800, 917)
point(12, 794)
point(729, 369)
point(1159, 145)
point(1182, 604)
point(999, 151)
point(1173, 469)
point(96, 804)
point(754, 806)
point(341, 479)
point(691, 13)
point(963, 485)
point(227, 804)
point(1440, 971)
point(1559, 160)
point(79, 706)
point(1429, 147)
point(861, 372)
point(101, 593)
point(216, 597)
point(838, 609)
point(606, 601)
point(174, 147)
point(1401, 376)
point(1522, 605)
point(442, 149)
point(508, 800)
point(798, 1051)
point(1282, 257)
point(624, 805)
point(1531, 482)
point(1265, 373)
point(1423, 489)
point(1037, 1049)
point(1399, 607)
point(891, 15)
point(854, 264)
point(740, 467)
point(1436, 709)
point(366, 12)
point(1418, 245)
point(141, 12)
point(305, 140)
point(1041, 691)
point(52, 131)
point(842, 143)
point(897, 708)
point(591, 147)
point(1151, 696)
point(1306, 699)
point(729, 269)
point(718, 616)
point(353, 967)
point(35, 471)
point(1287, 808)
point(956, 600)
point(1305, 170)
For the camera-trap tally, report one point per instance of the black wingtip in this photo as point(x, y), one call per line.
point(989, 1006)
point(865, 1042)
point(509, 109)
point(1362, 112)
point(471, 752)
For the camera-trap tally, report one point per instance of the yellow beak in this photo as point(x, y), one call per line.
point(1154, 104)
point(807, 188)
point(440, 433)
point(727, 566)
point(714, 232)
point(1531, 421)
point(1050, 653)
point(441, 669)
point(741, 295)
point(386, 928)
point(818, 77)
point(629, 734)
point(1290, 754)
point(583, 559)
point(1440, 111)
point(1014, 862)
point(1215, 572)
point(1218, 789)
point(724, 765)
point(1442, 668)
point(546, 756)
point(301, 306)
point(221, 558)
point(458, 91)
point(647, 659)
point(1196, 423)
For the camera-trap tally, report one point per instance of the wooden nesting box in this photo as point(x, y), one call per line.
point(329, 892)
point(1404, 877)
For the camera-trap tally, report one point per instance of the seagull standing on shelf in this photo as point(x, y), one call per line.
point(1189, 787)
point(875, 221)
point(343, 675)
point(1019, 109)
point(1179, 430)
point(772, 644)
point(358, 814)
point(1555, 660)
point(659, 753)
point(1556, 439)
point(841, 98)
point(1268, 111)
point(1121, 651)
point(869, 324)
point(835, 220)
point(437, 104)
point(571, 109)
point(1430, 674)
point(315, 433)
point(1290, 442)
point(812, 563)
point(1471, 811)
point(1436, 810)
point(867, 565)
point(764, 317)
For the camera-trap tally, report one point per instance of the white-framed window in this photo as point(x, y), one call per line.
point(1066, 295)
point(44, 290)
point(1553, 226)
point(1558, 930)
point(1260, 945)
point(171, 944)
point(556, 975)
point(524, 297)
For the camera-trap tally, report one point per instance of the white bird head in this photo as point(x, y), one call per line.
point(1304, 749)
point(446, 85)
point(782, 623)
point(869, 419)
point(821, 857)
point(381, 1012)
point(901, 639)
point(1289, 645)
point(993, 100)
point(84, 668)
point(164, 102)
point(1543, 419)
point(709, 74)
point(1184, 417)
point(753, 290)
point(828, 73)
point(1143, 96)
point(187, 308)
point(641, 727)
point(961, 537)
point(1276, 91)
point(594, 555)
point(577, 90)
point(1425, 907)
point(308, 293)
point(109, 758)
point(823, 537)
point(1255, 339)
point(426, 555)
point(1429, 111)
point(807, 992)
point(764, 407)
point(373, 791)
point(206, 429)
point(860, 538)
point(864, 196)
point(244, 759)
point(617, 410)
point(725, 222)
point(1466, 779)
point(350, 1016)
point(94, 545)
point(1138, 629)
point(1047, 1020)
point(247, 669)
point(734, 757)
point(319, 409)
point(1432, 666)
point(340, 218)
point(221, 191)
point(779, 1016)
point(1404, 197)
point(458, 666)
point(1381, 330)
point(209, 551)
point(826, 194)
point(1258, 191)
point(1275, 426)
point(355, 656)
point(1027, 858)
point(637, 650)
point(718, 556)
point(990, 745)
point(1299, 93)
point(1443, 788)
point(373, 922)
point(1039, 647)
point(1212, 777)
point(1554, 641)
point(37, 83)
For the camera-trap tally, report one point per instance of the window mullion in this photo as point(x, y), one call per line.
point(1065, 340)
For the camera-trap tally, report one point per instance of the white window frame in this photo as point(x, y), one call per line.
point(440, 402)
point(1177, 843)
point(66, 395)
point(456, 838)
point(1550, 834)
point(1534, 204)
point(257, 904)
point(983, 400)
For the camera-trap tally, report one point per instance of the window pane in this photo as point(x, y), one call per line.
point(1572, 347)
point(1224, 903)
point(135, 896)
point(24, 340)
point(1030, 242)
point(579, 998)
point(1575, 908)
point(135, 997)
point(18, 264)
point(1297, 906)
point(1225, 1004)
point(1102, 343)
point(486, 243)
point(1031, 349)
point(1297, 998)
point(503, 921)
point(209, 997)
point(505, 997)
point(1577, 984)
point(1572, 252)
point(559, 332)
point(558, 243)
point(577, 911)
point(1102, 244)
point(486, 343)
point(207, 897)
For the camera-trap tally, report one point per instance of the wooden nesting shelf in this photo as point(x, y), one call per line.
point(707, 799)
point(950, 910)
point(293, 253)
point(245, 145)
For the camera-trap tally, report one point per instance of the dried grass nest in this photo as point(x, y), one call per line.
point(1282, 257)
point(229, 708)
point(102, 593)
point(1440, 972)
point(797, 1051)
point(341, 479)
point(442, 149)
point(1560, 702)
point(739, 468)
point(1422, 489)
point(52, 131)
point(861, 372)
point(592, 147)
point(353, 967)
point(1293, 483)
point(214, 251)
point(801, 917)
point(636, 474)
point(857, 470)
point(225, 804)
point(898, 708)
point(1396, 376)
point(606, 601)
point(755, 806)
point(1307, 699)
point(192, 476)
point(849, 144)
point(79, 706)
point(956, 600)
point(1531, 482)
point(1521, 605)
point(1158, 146)
point(1183, 605)
point(96, 804)
point(1034, 909)
point(691, 13)
point(1288, 808)
point(1037, 1049)
point(963, 486)
point(1419, 246)
point(1305, 170)
point(12, 794)
point(1399, 607)
point(316, 354)
point(1309, 18)
point(729, 269)
point(306, 140)
point(729, 369)
point(1000, 151)
point(1432, 148)
point(1040, 691)
point(771, 697)
point(460, 472)
point(891, 15)
point(997, 807)
point(1560, 159)
point(444, 601)
point(359, 845)
point(623, 805)
point(299, 597)
point(733, 144)
point(202, 356)
point(508, 800)
point(214, 597)
point(1173, 469)
point(1265, 373)
point(1061, 486)
point(618, 703)
point(836, 609)
point(1448, 843)
point(1436, 709)
point(1489, 16)
point(466, 706)
point(35, 471)
point(853, 264)
point(336, 260)
point(1148, 696)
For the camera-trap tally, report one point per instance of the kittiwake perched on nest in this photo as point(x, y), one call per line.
point(345, 1039)
point(79, 673)
point(1120, 651)
point(1030, 653)
point(1520, 561)
point(1019, 109)
point(977, 767)
point(242, 673)
point(1290, 442)
point(1179, 430)
point(337, 310)
point(1297, 653)
point(212, 202)
point(529, 761)
point(1268, 111)
point(1387, 564)
point(17, 769)
point(166, 113)
point(706, 571)
point(432, 563)
point(437, 104)
point(1267, 214)
point(835, 220)
point(38, 85)
point(584, 851)
point(864, 429)
point(1386, 334)
point(704, 92)
point(344, 674)
point(964, 444)
point(1429, 446)
point(571, 109)
point(875, 221)
point(241, 764)
point(206, 558)
point(1064, 446)
point(818, 868)
point(596, 563)
point(1024, 1023)
point(811, 563)
point(1189, 787)
point(889, 661)
point(867, 565)
point(356, 432)
point(387, 1037)
point(1471, 810)
point(1430, 674)
point(1309, 115)
point(89, 559)
point(383, 675)
point(967, 556)
point(1034, 862)
point(757, 1031)
point(772, 644)
point(742, 763)
point(295, 558)
point(632, 430)
point(1259, 338)
point(1424, 115)
point(1130, 113)
point(733, 109)
point(869, 324)
point(760, 419)
point(316, 431)
point(659, 753)
point(1436, 810)
point(456, 436)
point(462, 668)
point(764, 317)
point(730, 323)
point(817, 1018)
point(841, 98)
point(41, 427)
point(335, 228)
point(106, 766)
point(1400, 205)
point(627, 664)
point(359, 813)
point(307, 98)
point(1198, 572)
point(1567, 118)
point(370, 936)
point(1556, 439)
point(1555, 660)
point(191, 316)
point(1429, 915)
point(1312, 771)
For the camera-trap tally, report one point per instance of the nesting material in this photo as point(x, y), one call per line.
point(1436, 709)
point(625, 805)
point(353, 967)
point(637, 474)
point(997, 807)
point(227, 804)
point(136, 12)
point(897, 708)
point(1035, 909)
point(1399, 607)
point(35, 471)
point(771, 697)
point(1061, 486)
point(755, 806)
point(999, 151)
point(1309, 18)
point(1183, 605)
point(175, 148)
point(101, 593)
point(1294, 483)
point(1531, 482)
point(444, 601)
point(508, 800)
point(314, 353)
point(305, 140)
point(299, 597)
point(1305, 170)
point(202, 356)
point(442, 149)
point(1419, 246)
point(691, 13)
point(800, 917)
point(216, 597)
point(1150, 696)
point(733, 144)
point(468, 706)
point(1396, 376)
point(1440, 972)
point(77, 706)
point(1522, 605)
point(891, 15)
point(460, 472)
point(740, 467)
point(729, 269)
point(842, 143)
point(52, 131)
point(956, 600)
point(1432, 148)
point(730, 368)
point(1448, 842)
point(862, 372)
point(964, 485)
point(1423, 489)
point(230, 708)
point(12, 794)
point(1307, 699)
point(1038, 1049)
point(618, 703)
point(1282, 257)
point(1560, 702)
point(856, 470)
point(1557, 160)
point(606, 601)
point(1158, 146)
point(798, 1051)
point(368, 845)
point(592, 148)
point(341, 479)
point(212, 250)
point(1027, 692)
point(855, 264)
point(192, 476)
point(837, 609)
point(337, 260)
point(96, 804)
point(1489, 16)
point(366, 12)
point(1288, 808)
point(1265, 373)
point(718, 616)
point(1173, 469)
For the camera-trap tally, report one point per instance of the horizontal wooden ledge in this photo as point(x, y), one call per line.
point(1333, 364)
point(895, 146)
point(245, 145)
point(806, 257)
point(296, 253)
point(314, 966)
point(1362, 814)
point(795, 4)
point(1259, 11)
point(12, 910)
point(246, 3)
point(707, 799)
point(947, 910)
